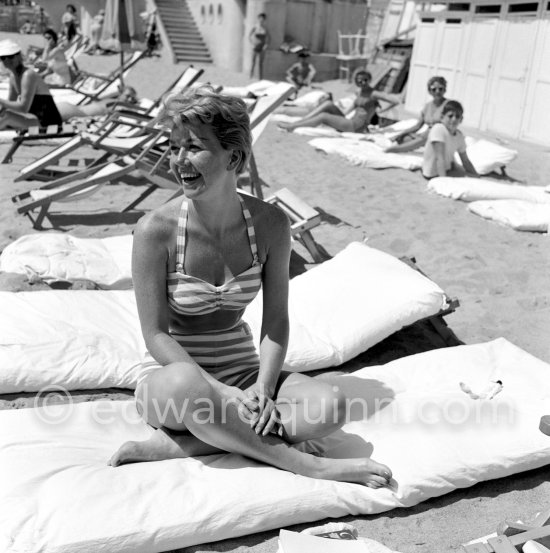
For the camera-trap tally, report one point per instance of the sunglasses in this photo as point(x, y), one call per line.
point(437, 89)
point(3, 58)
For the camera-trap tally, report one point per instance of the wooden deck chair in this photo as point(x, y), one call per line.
point(263, 108)
point(34, 134)
point(118, 134)
point(93, 86)
point(87, 182)
point(302, 218)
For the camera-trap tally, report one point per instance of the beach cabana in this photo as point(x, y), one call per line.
point(495, 56)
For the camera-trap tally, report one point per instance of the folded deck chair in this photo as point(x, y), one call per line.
point(57, 493)
point(92, 339)
point(113, 127)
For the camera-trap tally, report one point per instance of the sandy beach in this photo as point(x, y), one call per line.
point(499, 275)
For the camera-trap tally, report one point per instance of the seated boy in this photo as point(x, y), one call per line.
point(444, 140)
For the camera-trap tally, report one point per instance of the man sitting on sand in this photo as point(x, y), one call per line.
point(301, 73)
point(444, 140)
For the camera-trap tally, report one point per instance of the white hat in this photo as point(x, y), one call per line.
point(9, 47)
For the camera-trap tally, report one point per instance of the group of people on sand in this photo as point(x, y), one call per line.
point(436, 127)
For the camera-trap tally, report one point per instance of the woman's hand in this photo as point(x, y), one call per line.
point(260, 410)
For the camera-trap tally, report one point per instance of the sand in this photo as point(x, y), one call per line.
point(499, 275)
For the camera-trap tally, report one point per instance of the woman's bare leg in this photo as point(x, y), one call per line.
point(14, 120)
point(338, 122)
point(211, 414)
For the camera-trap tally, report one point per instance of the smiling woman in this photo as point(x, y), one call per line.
point(29, 100)
point(197, 263)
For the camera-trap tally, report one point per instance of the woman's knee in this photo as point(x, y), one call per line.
point(167, 399)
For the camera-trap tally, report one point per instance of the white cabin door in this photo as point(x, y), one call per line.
point(536, 121)
point(477, 69)
point(507, 97)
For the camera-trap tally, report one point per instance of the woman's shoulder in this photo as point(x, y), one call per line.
point(265, 215)
point(160, 224)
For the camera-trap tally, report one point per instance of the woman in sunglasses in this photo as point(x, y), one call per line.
point(29, 102)
point(410, 139)
point(365, 108)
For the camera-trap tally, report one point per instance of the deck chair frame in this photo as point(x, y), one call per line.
point(437, 321)
point(122, 117)
point(33, 134)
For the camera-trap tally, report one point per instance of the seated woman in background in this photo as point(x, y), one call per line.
point(29, 102)
point(198, 261)
point(407, 140)
point(53, 64)
point(125, 97)
point(365, 108)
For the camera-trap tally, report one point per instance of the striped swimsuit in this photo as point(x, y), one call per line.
point(229, 355)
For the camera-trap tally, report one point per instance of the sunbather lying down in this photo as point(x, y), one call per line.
point(365, 108)
point(128, 96)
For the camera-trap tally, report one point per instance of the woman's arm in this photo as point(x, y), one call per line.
point(29, 83)
point(311, 74)
point(275, 328)
point(390, 99)
point(274, 331)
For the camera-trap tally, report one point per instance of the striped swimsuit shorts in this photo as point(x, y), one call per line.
point(228, 355)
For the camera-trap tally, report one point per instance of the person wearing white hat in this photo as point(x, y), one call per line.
point(29, 102)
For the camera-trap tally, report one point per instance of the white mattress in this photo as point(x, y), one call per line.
point(92, 339)
point(366, 154)
point(518, 214)
point(470, 190)
point(57, 494)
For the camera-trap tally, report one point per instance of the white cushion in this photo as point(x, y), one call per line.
point(92, 339)
point(518, 214)
point(310, 99)
point(366, 154)
point(470, 189)
point(487, 156)
point(57, 494)
point(62, 257)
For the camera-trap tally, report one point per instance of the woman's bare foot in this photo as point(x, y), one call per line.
point(286, 126)
point(159, 447)
point(363, 471)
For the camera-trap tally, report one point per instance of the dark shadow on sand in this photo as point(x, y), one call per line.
point(60, 221)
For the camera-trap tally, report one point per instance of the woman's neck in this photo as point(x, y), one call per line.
point(438, 101)
point(219, 212)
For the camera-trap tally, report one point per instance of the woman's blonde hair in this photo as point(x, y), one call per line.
point(226, 115)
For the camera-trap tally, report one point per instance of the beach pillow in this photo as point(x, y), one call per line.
point(366, 154)
point(518, 214)
point(486, 156)
point(61, 257)
point(470, 189)
point(57, 494)
point(310, 99)
point(86, 339)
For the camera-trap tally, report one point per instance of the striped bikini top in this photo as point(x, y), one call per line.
point(189, 295)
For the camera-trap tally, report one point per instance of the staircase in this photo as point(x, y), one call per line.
point(184, 36)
